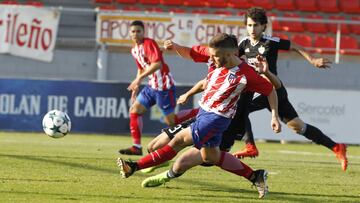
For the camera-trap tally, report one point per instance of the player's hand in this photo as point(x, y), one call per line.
point(168, 44)
point(321, 62)
point(261, 64)
point(182, 99)
point(275, 124)
point(134, 84)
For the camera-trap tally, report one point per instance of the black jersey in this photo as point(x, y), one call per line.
point(267, 47)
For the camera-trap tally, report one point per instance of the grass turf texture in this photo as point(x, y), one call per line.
point(82, 168)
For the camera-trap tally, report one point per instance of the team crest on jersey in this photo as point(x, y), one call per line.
point(261, 49)
point(232, 78)
point(247, 50)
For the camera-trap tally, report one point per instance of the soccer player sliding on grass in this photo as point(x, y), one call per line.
point(227, 77)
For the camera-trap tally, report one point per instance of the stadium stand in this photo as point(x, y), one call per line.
point(216, 3)
point(308, 5)
point(292, 26)
point(350, 6)
point(285, 5)
point(266, 4)
point(303, 40)
point(316, 27)
point(330, 6)
point(333, 27)
point(324, 44)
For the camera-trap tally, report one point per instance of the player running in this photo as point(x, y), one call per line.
point(228, 76)
point(160, 89)
point(259, 44)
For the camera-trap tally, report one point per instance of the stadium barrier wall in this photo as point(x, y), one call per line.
point(94, 107)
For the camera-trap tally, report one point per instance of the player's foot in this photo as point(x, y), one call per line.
point(131, 151)
point(260, 182)
point(249, 151)
point(151, 169)
point(127, 168)
point(156, 180)
point(340, 151)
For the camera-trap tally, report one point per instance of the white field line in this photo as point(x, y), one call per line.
point(313, 154)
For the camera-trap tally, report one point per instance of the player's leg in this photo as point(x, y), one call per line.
point(250, 150)
point(159, 156)
point(144, 101)
point(289, 116)
point(184, 162)
point(316, 135)
point(228, 162)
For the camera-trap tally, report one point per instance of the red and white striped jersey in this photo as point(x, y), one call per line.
point(147, 53)
point(225, 85)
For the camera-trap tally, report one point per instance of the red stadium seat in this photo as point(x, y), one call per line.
point(292, 26)
point(200, 11)
point(223, 12)
point(350, 6)
point(275, 24)
point(154, 9)
point(329, 6)
point(280, 35)
point(333, 27)
point(103, 1)
point(285, 5)
point(126, 1)
point(349, 45)
point(307, 5)
point(192, 3)
point(324, 44)
point(9, 2)
point(243, 4)
point(34, 3)
point(108, 7)
point(131, 8)
point(265, 4)
point(316, 27)
point(216, 3)
point(355, 28)
point(302, 40)
point(177, 10)
point(241, 13)
point(172, 2)
point(149, 2)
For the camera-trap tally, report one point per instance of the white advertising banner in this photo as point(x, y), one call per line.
point(334, 112)
point(185, 29)
point(28, 31)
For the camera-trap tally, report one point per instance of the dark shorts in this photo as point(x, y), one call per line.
point(165, 100)
point(286, 110)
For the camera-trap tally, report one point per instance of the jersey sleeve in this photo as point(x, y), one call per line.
point(200, 54)
point(256, 83)
point(153, 51)
point(242, 48)
point(284, 44)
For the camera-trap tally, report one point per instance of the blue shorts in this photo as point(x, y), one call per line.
point(165, 100)
point(207, 130)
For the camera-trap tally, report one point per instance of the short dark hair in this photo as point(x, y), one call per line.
point(138, 23)
point(224, 41)
point(256, 14)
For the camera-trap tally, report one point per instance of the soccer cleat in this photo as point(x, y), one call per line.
point(131, 151)
point(249, 151)
point(260, 182)
point(151, 169)
point(340, 152)
point(127, 168)
point(157, 180)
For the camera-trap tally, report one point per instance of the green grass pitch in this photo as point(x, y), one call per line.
point(82, 168)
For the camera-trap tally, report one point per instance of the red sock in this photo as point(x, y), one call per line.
point(229, 163)
point(186, 114)
point(157, 157)
point(136, 125)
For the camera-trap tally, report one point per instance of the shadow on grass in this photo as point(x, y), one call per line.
point(65, 163)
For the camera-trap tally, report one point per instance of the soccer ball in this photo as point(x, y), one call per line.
point(56, 124)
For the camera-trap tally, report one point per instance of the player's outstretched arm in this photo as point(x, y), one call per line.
point(143, 74)
point(263, 68)
point(317, 62)
point(182, 51)
point(273, 102)
point(198, 87)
